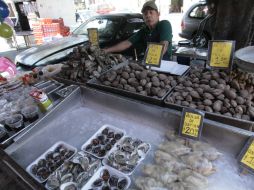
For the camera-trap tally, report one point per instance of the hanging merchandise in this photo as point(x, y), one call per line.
point(4, 11)
point(7, 67)
point(5, 31)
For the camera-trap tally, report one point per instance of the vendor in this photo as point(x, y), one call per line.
point(154, 31)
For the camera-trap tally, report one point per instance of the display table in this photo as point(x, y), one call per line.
point(25, 35)
point(80, 115)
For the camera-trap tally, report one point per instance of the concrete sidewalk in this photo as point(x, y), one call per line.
point(7, 51)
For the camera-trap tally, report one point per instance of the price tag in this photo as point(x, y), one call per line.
point(93, 36)
point(246, 157)
point(191, 124)
point(153, 54)
point(220, 54)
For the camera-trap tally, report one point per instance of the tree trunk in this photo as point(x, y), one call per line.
point(233, 20)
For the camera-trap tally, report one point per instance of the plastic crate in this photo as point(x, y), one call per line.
point(45, 20)
point(50, 29)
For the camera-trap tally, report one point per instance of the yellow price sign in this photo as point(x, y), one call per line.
point(93, 36)
point(221, 53)
point(154, 54)
point(192, 123)
point(248, 156)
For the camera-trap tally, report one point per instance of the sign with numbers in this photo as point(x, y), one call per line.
point(153, 54)
point(93, 36)
point(246, 157)
point(220, 53)
point(191, 123)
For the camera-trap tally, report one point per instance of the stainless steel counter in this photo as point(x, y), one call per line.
point(80, 115)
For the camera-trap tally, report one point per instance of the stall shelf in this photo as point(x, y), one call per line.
point(82, 113)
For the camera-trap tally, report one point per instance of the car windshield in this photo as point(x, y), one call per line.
point(106, 27)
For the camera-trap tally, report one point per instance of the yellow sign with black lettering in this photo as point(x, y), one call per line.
point(191, 124)
point(93, 36)
point(221, 54)
point(154, 54)
point(248, 157)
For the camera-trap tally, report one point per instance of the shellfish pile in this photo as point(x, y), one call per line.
point(136, 78)
point(229, 94)
point(103, 142)
point(179, 166)
point(86, 62)
point(108, 180)
point(127, 155)
point(75, 172)
point(53, 159)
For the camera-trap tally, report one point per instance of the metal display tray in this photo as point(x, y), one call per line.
point(27, 125)
point(49, 86)
point(82, 113)
point(67, 81)
point(154, 100)
point(70, 82)
point(239, 123)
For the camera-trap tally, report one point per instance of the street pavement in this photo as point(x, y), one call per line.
point(11, 52)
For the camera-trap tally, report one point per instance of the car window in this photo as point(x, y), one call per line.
point(199, 12)
point(132, 26)
point(106, 27)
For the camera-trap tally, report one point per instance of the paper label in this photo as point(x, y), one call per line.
point(154, 54)
point(191, 123)
point(93, 36)
point(221, 54)
point(248, 157)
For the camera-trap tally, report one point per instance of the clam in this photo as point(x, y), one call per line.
point(66, 178)
point(53, 182)
point(69, 186)
point(82, 178)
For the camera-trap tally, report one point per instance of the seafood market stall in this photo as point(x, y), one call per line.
point(224, 97)
point(88, 117)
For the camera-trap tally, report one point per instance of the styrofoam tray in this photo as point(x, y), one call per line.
point(112, 172)
point(118, 147)
point(112, 128)
point(83, 154)
point(43, 156)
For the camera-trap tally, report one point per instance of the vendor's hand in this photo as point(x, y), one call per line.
point(105, 50)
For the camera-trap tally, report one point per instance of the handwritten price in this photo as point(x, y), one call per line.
point(191, 124)
point(248, 158)
point(221, 54)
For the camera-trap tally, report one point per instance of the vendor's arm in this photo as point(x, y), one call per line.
point(124, 44)
point(165, 43)
point(165, 35)
point(119, 47)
